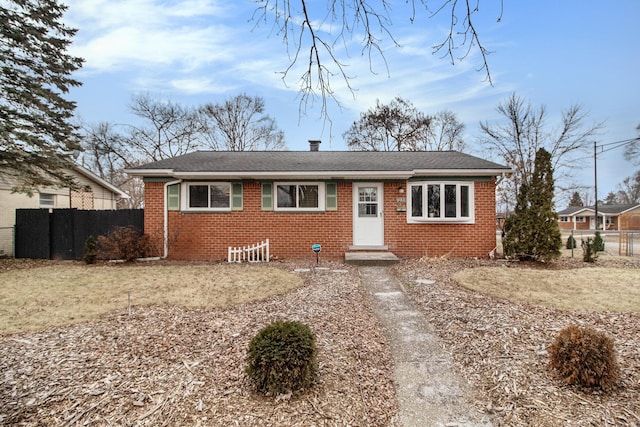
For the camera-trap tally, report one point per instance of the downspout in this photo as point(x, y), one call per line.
point(166, 217)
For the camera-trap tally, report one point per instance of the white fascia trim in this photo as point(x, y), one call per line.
point(371, 175)
point(460, 172)
point(313, 175)
point(583, 212)
point(628, 210)
point(149, 172)
point(87, 173)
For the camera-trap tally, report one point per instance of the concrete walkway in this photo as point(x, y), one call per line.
point(429, 392)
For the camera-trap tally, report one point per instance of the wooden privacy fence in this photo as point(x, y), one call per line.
point(61, 233)
point(625, 243)
point(254, 253)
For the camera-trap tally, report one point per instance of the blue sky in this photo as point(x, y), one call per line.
point(553, 53)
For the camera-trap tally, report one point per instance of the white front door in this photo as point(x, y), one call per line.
point(368, 222)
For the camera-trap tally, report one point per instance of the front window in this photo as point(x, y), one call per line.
point(564, 219)
point(299, 196)
point(441, 201)
point(580, 219)
point(210, 196)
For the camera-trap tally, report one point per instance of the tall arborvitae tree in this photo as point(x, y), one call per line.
point(532, 232)
point(37, 138)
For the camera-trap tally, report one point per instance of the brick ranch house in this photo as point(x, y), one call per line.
point(610, 217)
point(410, 203)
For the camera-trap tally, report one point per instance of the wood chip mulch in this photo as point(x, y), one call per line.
point(500, 348)
point(166, 365)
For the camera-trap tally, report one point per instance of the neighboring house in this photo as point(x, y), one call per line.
point(98, 195)
point(583, 218)
point(409, 203)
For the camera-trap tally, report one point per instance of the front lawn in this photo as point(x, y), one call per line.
point(61, 293)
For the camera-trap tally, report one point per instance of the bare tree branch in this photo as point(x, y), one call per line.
point(318, 29)
point(239, 124)
point(524, 131)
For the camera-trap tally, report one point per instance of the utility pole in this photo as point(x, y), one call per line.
point(595, 178)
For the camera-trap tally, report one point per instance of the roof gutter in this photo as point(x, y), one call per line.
point(166, 218)
point(368, 174)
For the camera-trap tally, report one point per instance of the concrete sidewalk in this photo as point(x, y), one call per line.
point(429, 392)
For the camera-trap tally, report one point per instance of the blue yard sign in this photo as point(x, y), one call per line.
point(316, 248)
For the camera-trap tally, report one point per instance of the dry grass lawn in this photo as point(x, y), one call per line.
point(68, 292)
point(583, 289)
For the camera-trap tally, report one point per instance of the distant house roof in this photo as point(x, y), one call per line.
point(320, 165)
point(9, 182)
point(602, 209)
point(95, 178)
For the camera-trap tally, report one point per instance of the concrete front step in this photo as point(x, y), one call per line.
point(370, 258)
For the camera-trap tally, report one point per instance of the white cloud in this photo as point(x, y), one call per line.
point(118, 35)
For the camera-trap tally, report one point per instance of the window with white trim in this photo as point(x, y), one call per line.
point(209, 196)
point(299, 196)
point(564, 219)
point(440, 202)
point(580, 219)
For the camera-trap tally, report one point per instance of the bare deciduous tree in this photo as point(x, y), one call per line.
point(632, 150)
point(240, 124)
point(629, 190)
point(398, 126)
point(316, 32)
point(446, 132)
point(169, 129)
point(524, 131)
point(107, 154)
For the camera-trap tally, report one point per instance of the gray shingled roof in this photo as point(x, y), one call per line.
point(246, 162)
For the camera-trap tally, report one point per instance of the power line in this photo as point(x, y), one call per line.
point(622, 142)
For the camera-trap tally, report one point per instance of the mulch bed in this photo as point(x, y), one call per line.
point(166, 365)
point(500, 347)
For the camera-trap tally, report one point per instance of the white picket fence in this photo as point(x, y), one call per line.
point(254, 253)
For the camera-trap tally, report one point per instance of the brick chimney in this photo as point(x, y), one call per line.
point(314, 145)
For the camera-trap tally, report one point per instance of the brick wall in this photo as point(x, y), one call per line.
point(578, 225)
point(206, 236)
point(456, 240)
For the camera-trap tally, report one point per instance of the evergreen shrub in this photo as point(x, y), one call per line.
point(571, 243)
point(598, 242)
point(90, 250)
point(589, 253)
point(532, 232)
point(282, 358)
point(585, 357)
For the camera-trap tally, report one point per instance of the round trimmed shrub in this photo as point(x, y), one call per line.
point(571, 243)
point(282, 358)
point(585, 357)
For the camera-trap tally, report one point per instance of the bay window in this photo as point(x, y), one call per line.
point(440, 202)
